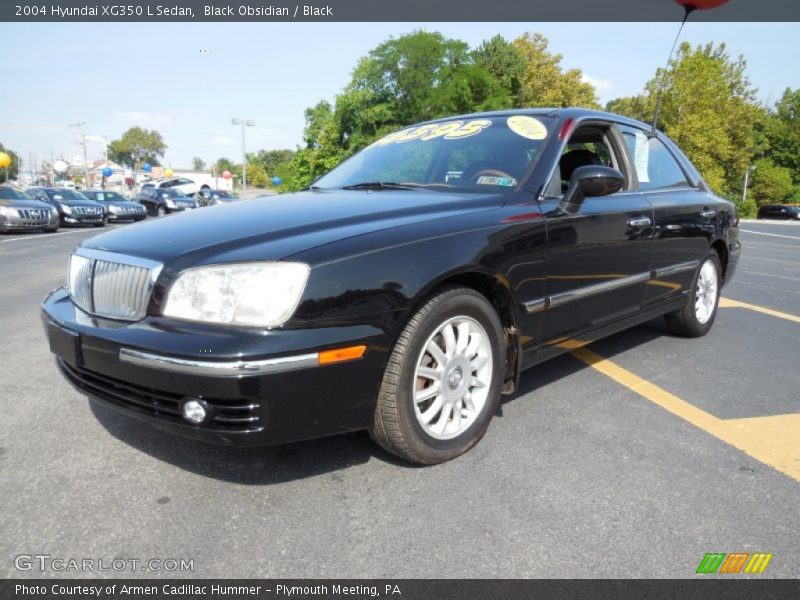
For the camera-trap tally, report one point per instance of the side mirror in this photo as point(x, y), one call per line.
point(588, 181)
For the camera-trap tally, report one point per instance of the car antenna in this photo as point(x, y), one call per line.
point(688, 9)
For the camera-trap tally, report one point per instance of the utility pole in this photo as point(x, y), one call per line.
point(82, 142)
point(244, 123)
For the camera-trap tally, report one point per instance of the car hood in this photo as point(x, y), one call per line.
point(18, 203)
point(274, 227)
point(74, 202)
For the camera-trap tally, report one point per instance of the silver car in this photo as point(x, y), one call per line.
point(20, 212)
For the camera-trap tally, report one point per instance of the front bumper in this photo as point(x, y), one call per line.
point(76, 219)
point(262, 387)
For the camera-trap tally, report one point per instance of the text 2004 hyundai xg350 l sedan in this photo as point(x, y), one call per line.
point(401, 293)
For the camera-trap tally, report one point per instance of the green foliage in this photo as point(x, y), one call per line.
point(423, 76)
point(12, 171)
point(746, 209)
point(198, 164)
point(781, 130)
point(271, 161)
point(256, 175)
point(137, 146)
point(770, 183)
point(545, 83)
point(224, 164)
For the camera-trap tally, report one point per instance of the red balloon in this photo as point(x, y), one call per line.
point(701, 4)
point(227, 174)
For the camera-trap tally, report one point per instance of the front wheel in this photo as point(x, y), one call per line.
point(443, 380)
point(697, 316)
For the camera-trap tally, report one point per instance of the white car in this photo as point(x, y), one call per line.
point(187, 186)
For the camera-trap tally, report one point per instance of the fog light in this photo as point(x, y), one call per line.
point(195, 410)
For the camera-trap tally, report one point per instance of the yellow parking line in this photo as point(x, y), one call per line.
point(774, 441)
point(730, 303)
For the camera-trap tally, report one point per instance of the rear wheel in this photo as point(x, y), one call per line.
point(697, 316)
point(443, 380)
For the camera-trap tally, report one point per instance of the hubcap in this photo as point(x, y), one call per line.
point(452, 378)
point(706, 294)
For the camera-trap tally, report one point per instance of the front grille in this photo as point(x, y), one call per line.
point(112, 285)
point(34, 214)
point(228, 415)
point(88, 210)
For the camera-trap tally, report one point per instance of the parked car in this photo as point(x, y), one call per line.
point(20, 212)
point(119, 207)
point(404, 291)
point(779, 211)
point(161, 201)
point(73, 207)
point(184, 184)
point(214, 197)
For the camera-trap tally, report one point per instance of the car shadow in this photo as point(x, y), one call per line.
point(301, 460)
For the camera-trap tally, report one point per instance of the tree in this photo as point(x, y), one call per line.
point(503, 60)
point(224, 164)
point(12, 171)
point(770, 183)
point(137, 146)
point(781, 130)
point(198, 164)
point(708, 108)
point(270, 159)
point(256, 175)
point(545, 83)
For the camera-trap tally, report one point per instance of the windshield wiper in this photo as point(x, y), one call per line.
point(382, 185)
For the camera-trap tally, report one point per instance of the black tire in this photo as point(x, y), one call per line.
point(684, 322)
point(396, 427)
point(50, 229)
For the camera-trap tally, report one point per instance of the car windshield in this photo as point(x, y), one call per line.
point(68, 195)
point(223, 196)
point(108, 197)
point(172, 193)
point(795, 210)
point(469, 155)
point(9, 193)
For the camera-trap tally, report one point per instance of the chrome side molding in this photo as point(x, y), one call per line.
point(540, 304)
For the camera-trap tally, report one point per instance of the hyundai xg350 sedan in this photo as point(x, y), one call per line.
point(73, 207)
point(20, 212)
point(404, 291)
point(118, 207)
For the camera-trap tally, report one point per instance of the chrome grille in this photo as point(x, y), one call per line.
point(36, 214)
point(88, 210)
point(112, 285)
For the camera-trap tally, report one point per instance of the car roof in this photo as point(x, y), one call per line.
point(560, 113)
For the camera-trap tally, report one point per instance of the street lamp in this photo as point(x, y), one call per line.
point(82, 137)
point(244, 123)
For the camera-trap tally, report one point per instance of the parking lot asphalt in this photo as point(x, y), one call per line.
point(630, 458)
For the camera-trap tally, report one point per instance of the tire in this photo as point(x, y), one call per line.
point(161, 211)
point(400, 416)
point(50, 229)
point(697, 316)
point(103, 223)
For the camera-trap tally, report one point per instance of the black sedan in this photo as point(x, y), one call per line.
point(403, 292)
point(20, 212)
point(118, 207)
point(206, 197)
point(162, 201)
point(73, 207)
point(783, 212)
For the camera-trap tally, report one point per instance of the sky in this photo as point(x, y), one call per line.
point(187, 80)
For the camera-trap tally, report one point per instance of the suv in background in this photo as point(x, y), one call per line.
point(161, 201)
point(779, 211)
point(187, 186)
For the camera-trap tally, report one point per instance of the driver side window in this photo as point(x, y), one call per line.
point(589, 145)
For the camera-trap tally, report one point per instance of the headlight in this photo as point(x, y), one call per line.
point(252, 294)
point(67, 210)
point(169, 202)
point(7, 212)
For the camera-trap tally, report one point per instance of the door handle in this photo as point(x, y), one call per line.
point(708, 214)
point(639, 222)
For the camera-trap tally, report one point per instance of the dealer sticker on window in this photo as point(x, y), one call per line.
point(527, 127)
point(490, 180)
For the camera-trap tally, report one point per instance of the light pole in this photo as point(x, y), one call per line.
point(244, 123)
point(747, 172)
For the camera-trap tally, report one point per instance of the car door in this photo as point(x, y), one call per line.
point(684, 216)
point(598, 259)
